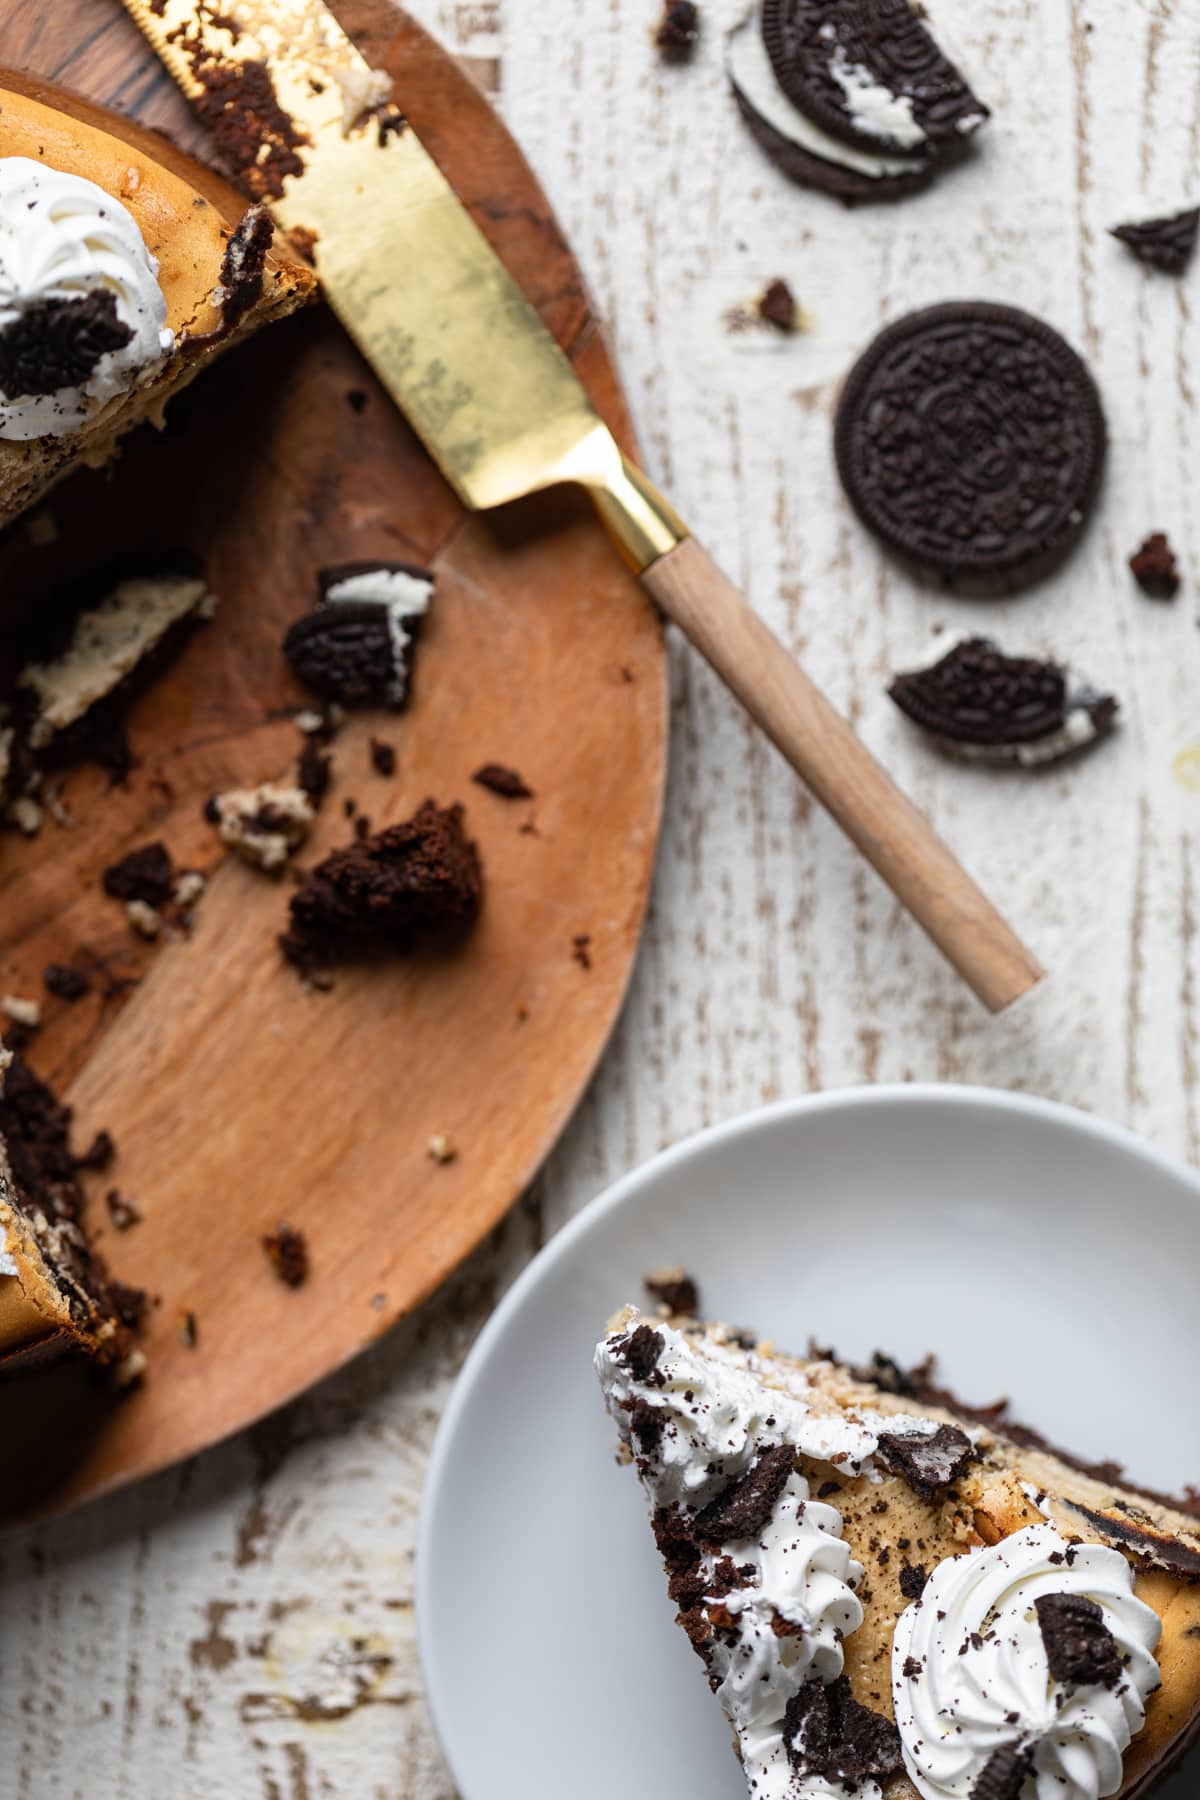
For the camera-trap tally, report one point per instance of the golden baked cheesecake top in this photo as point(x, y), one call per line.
point(892, 1598)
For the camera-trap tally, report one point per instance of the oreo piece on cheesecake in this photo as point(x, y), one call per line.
point(853, 98)
point(983, 706)
point(356, 647)
point(417, 884)
point(971, 438)
point(1166, 244)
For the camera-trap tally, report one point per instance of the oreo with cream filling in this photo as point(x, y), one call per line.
point(357, 646)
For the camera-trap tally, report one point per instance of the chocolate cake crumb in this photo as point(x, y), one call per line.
point(503, 781)
point(674, 1289)
point(123, 1213)
point(1155, 568)
point(314, 771)
point(1079, 1645)
point(1005, 1774)
point(640, 1351)
point(243, 264)
point(416, 883)
point(146, 875)
point(57, 344)
point(678, 30)
point(383, 757)
point(777, 306)
point(745, 1507)
point(646, 1424)
point(830, 1736)
point(64, 982)
point(287, 1252)
point(1166, 244)
point(186, 1330)
point(928, 1464)
point(913, 1668)
point(913, 1577)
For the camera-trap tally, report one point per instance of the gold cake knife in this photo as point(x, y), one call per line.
point(299, 112)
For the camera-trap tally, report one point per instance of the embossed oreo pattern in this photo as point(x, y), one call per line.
point(971, 437)
point(807, 40)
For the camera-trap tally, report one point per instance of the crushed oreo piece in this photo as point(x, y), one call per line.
point(100, 1154)
point(314, 771)
point(123, 1213)
point(674, 1289)
point(678, 30)
point(243, 264)
point(1005, 1774)
point(420, 882)
point(1166, 244)
point(927, 1464)
point(128, 1303)
point(1079, 1645)
point(503, 781)
point(1155, 568)
point(287, 1252)
point(913, 1577)
point(146, 875)
point(743, 1509)
point(57, 344)
point(64, 982)
point(645, 1426)
point(777, 306)
point(344, 653)
point(383, 758)
point(828, 1735)
point(640, 1351)
point(987, 706)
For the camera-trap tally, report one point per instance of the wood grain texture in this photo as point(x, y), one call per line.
point(243, 1626)
point(238, 1098)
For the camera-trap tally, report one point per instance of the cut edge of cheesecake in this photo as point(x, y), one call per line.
point(187, 215)
point(1008, 1481)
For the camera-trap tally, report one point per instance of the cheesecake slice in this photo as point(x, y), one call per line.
point(894, 1597)
point(125, 268)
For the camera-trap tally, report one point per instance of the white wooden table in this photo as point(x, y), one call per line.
point(243, 1627)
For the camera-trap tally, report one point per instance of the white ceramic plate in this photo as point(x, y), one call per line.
point(1038, 1251)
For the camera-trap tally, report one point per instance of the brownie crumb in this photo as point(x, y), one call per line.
point(1166, 244)
point(123, 1213)
point(287, 1252)
point(503, 781)
point(927, 1464)
point(314, 772)
point(1005, 1774)
point(1155, 568)
point(383, 757)
point(420, 882)
point(146, 875)
point(237, 104)
point(56, 343)
point(745, 1507)
point(64, 982)
point(674, 1289)
point(1079, 1645)
point(913, 1577)
point(678, 30)
point(777, 307)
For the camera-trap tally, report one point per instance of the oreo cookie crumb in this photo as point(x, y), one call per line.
point(581, 949)
point(1155, 568)
point(678, 30)
point(1166, 244)
point(64, 982)
point(145, 875)
point(356, 399)
point(383, 757)
point(243, 264)
point(128, 1303)
point(314, 772)
point(100, 1154)
point(1079, 1645)
point(287, 1252)
point(913, 1577)
point(674, 1289)
point(503, 781)
point(744, 1508)
point(828, 1735)
point(640, 1351)
point(123, 1213)
point(186, 1330)
point(930, 1464)
point(344, 652)
point(777, 307)
point(56, 344)
point(1005, 1774)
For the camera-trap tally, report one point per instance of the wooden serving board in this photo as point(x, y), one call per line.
point(238, 1099)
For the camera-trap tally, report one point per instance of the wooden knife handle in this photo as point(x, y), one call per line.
point(892, 834)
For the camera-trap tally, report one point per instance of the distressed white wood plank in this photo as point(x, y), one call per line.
point(243, 1627)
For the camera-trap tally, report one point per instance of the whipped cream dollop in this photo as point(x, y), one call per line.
point(972, 1682)
point(63, 239)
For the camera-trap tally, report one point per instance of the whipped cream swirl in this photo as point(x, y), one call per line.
point(62, 238)
point(971, 1675)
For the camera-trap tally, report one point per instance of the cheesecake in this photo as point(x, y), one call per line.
point(125, 268)
point(894, 1597)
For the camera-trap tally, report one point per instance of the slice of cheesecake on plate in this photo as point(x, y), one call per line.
point(125, 268)
point(894, 1597)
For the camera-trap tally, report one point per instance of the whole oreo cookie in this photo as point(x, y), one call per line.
point(971, 438)
point(869, 73)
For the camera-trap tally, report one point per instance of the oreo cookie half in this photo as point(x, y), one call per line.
point(870, 74)
point(356, 647)
point(984, 706)
point(971, 438)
